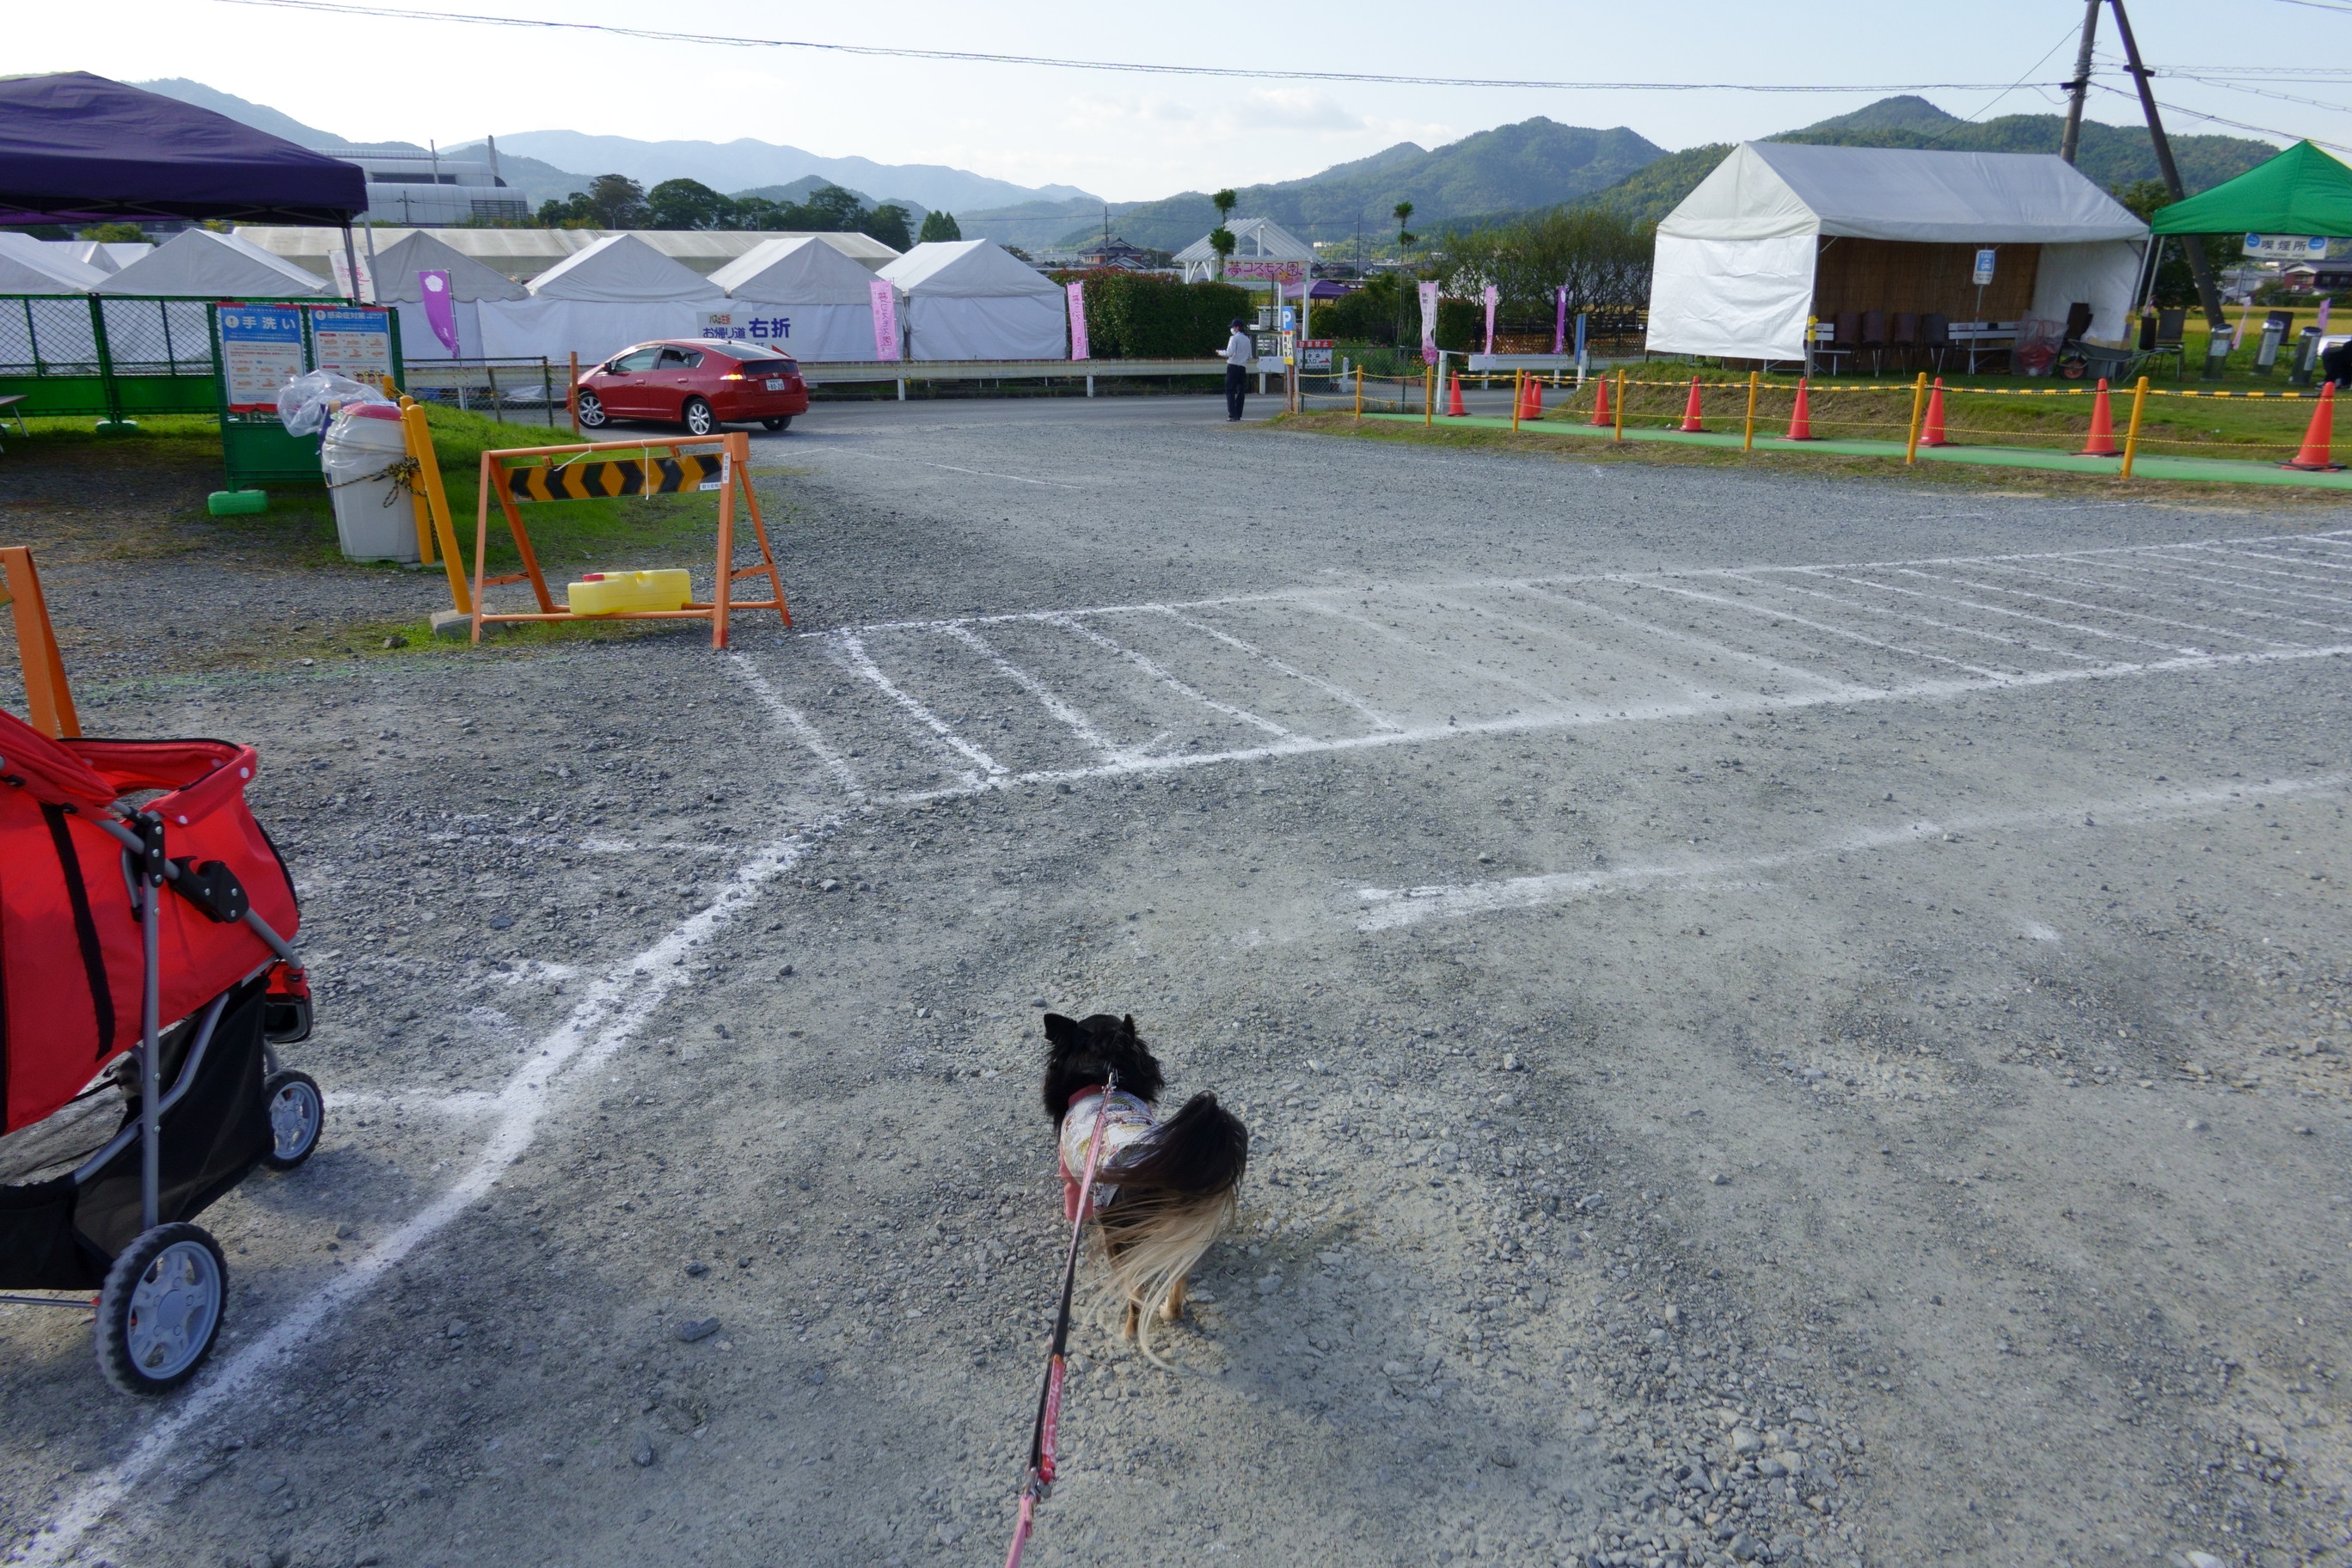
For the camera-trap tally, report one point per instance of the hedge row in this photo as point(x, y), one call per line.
point(1137, 315)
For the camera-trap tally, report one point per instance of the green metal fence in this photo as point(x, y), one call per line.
point(119, 357)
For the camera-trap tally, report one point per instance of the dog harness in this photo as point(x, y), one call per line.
point(1123, 1121)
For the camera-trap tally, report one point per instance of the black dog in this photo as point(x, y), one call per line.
point(1162, 1190)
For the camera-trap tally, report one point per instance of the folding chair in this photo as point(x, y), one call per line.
point(1873, 338)
point(1936, 337)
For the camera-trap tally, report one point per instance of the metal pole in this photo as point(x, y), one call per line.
point(151, 1007)
point(2078, 88)
point(2207, 295)
point(2131, 437)
point(352, 265)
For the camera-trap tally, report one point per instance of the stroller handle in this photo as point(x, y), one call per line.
point(259, 927)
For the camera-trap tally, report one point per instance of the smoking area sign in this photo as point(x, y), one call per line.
point(261, 351)
point(1983, 273)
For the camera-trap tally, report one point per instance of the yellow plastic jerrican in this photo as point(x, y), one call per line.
point(605, 593)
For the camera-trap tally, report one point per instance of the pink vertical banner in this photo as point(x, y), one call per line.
point(1429, 323)
point(1560, 322)
point(440, 310)
point(1078, 349)
point(883, 296)
point(1494, 298)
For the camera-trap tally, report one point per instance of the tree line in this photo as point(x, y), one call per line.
point(616, 201)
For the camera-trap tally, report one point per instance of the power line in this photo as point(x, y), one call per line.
point(653, 35)
point(2233, 124)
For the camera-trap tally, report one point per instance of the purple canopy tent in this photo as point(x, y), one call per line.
point(77, 148)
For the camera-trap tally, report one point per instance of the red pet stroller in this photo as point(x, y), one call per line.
point(144, 954)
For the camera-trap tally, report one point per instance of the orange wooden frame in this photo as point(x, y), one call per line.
point(735, 451)
point(48, 699)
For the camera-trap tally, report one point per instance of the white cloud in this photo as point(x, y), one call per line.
point(1293, 109)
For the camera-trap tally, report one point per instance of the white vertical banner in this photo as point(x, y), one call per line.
point(1494, 298)
point(1429, 323)
point(1078, 346)
point(884, 294)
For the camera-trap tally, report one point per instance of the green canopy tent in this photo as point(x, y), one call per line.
point(2300, 190)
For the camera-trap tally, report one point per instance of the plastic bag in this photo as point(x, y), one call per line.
point(304, 402)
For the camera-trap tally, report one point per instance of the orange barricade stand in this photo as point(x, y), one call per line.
point(49, 701)
point(680, 466)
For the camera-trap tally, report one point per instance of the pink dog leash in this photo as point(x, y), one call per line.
point(1049, 1399)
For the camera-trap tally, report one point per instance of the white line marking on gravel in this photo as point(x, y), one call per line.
point(1408, 906)
point(792, 719)
point(1077, 722)
point(1706, 645)
point(617, 1005)
point(1372, 716)
point(1166, 679)
point(863, 662)
point(985, 474)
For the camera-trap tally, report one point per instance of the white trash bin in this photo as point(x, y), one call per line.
point(374, 519)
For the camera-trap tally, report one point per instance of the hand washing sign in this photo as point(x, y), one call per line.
point(260, 351)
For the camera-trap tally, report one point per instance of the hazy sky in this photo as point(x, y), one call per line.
point(1126, 136)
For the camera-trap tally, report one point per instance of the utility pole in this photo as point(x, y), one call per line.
point(2080, 87)
point(2194, 245)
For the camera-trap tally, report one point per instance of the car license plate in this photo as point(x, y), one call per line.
point(775, 383)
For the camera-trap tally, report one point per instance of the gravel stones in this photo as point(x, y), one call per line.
point(695, 1329)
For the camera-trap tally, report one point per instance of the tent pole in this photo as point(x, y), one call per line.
point(351, 262)
point(2080, 87)
point(2207, 295)
point(374, 286)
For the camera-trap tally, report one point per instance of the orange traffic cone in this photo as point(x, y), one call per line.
point(1690, 410)
point(1601, 401)
point(1931, 431)
point(1532, 407)
point(2101, 443)
point(2315, 440)
point(1801, 418)
point(1453, 408)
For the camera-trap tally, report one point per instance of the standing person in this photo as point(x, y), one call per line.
point(1239, 352)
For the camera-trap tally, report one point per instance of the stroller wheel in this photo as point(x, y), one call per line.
point(160, 1309)
point(297, 1113)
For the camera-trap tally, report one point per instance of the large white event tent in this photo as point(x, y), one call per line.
point(970, 298)
point(106, 255)
point(395, 270)
point(801, 297)
point(29, 265)
point(618, 291)
point(199, 264)
point(1782, 231)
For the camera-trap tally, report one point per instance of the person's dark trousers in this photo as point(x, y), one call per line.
point(1236, 387)
point(2336, 362)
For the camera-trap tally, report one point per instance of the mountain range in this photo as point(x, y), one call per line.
point(1534, 164)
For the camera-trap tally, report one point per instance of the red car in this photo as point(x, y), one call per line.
point(699, 384)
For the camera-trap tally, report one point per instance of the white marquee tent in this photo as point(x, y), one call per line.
point(970, 298)
point(196, 263)
point(106, 255)
point(29, 265)
point(394, 271)
point(801, 296)
point(1752, 252)
point(618, 291)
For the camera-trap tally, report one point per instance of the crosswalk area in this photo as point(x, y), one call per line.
point(922, 708)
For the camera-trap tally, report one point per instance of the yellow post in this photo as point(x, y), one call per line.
point(1918, 402)
point(1747, 436)
point(49, 696)
point(436, 502)
point(1518, 397)
point(1618, 412)
point(2131, 437)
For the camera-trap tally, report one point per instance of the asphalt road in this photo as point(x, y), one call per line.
point(1780, 1020)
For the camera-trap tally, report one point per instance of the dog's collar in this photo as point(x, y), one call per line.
point(1079, 1095)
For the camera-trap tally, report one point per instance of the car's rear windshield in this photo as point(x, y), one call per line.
point(770, 367)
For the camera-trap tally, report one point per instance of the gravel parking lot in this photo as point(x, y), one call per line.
point(1782, 1020)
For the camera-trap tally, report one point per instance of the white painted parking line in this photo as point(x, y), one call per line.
point(1152, 668)
point(2200, 589)
point(793, 720)
point(618, 1004)
point(1077, 722)
point(1372, 716)
point(862, 663)
point(2004, 610)
point(1975, 586)
point(1712, 648)
point(1382, 909)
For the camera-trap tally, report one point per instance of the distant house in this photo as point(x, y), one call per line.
point(1262, 248)
point(2304, 278)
